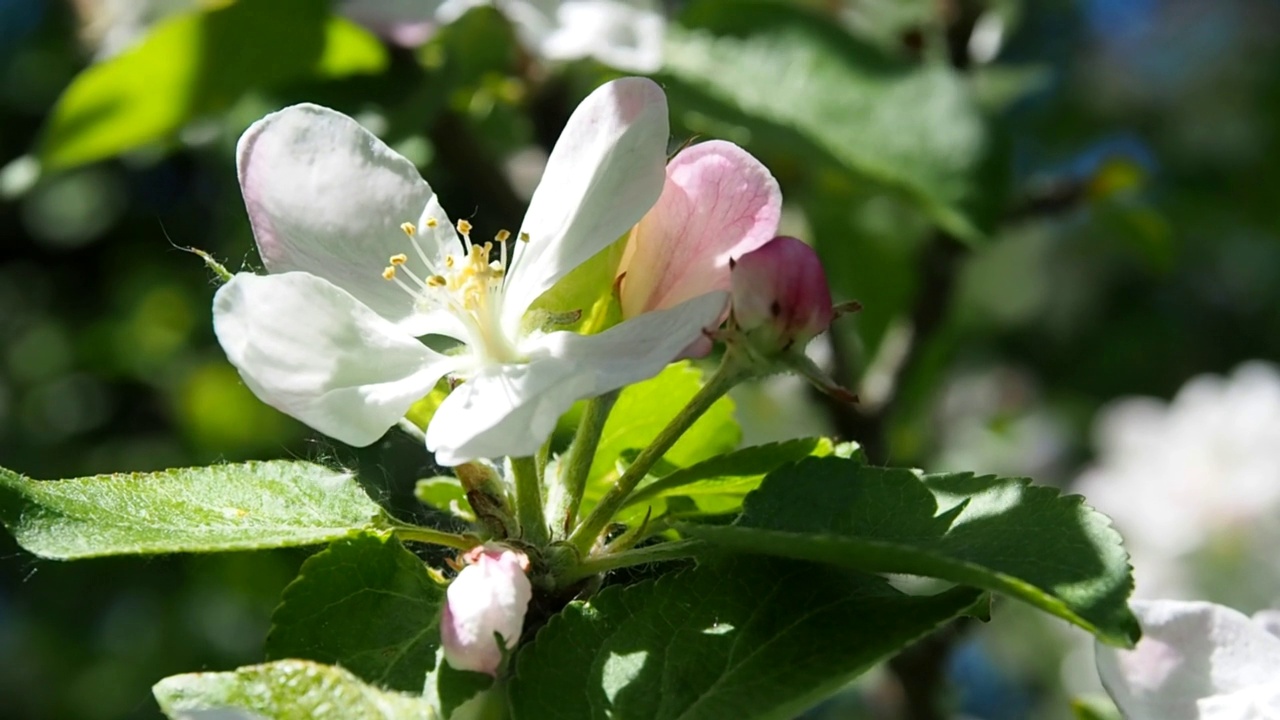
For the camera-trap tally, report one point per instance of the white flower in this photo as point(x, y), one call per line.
point(1200, 472)
point(489, 597)
point(330, 336)
point(627, 34)
point(1196, 661)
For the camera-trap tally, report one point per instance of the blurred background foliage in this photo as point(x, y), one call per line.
point(1043, 205)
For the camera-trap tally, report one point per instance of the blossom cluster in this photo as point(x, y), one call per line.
point(364, 264)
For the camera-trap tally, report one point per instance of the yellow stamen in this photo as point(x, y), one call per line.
point(431, 222)
point(399, 259)
point(524, 237)
point(502, 236)
point(409, 229)
point(448, 261)
point(389, 273)
point(436, 281)
point(464, 227)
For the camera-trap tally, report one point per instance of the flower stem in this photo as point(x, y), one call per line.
point(577, 465)
point(652, 553)
point(733, 369)
point(416, 533)
point(533, 523)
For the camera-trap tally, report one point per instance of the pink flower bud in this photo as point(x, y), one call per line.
point(490, 595)
point(780, 295)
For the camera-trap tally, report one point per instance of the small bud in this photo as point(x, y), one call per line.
point(780, 295)
point(490, 596)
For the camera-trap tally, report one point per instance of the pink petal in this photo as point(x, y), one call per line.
point(718, 203)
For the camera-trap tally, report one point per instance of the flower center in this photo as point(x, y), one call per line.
point(469, 287)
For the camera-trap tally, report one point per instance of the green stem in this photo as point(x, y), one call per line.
point(733, 369)
point(577, 465)
point(415, 533)
point(533, 523)
point(653, 553)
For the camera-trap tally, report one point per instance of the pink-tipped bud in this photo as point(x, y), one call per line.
point(780, 295)
point(490, 595)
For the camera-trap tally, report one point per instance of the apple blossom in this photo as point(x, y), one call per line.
point(1196, 661)
point(627, 34)
point(718, 203)
point(489, 597)
point(1192, 478)
point(330, 336)
point(780, 295)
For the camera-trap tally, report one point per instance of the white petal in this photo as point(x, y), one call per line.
point(1190, 652)
point(311, 350)
point(641, 347)
point(626, 35)
point(606, 171)
point(512, 409)
point(327, 197)
point(505, 410)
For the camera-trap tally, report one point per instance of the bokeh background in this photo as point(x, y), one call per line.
point(1045, 206)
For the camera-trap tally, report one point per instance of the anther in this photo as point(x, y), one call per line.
point(389, 273)
point(436, 281)
point(464, 227)
point(448, 261)
point(409, 229)
point(524, 237)
point(502, 236)
point(399, 259)
point(431, 222)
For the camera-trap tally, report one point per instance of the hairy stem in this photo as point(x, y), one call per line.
point(533, 523)
point(416, 533)
point(577, 464)
point(733, 369)
point(676, 550)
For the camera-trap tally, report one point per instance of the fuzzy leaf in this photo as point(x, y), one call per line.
point(367, 604)
point(1006, 535)
point(251, 506)
point(741, 637)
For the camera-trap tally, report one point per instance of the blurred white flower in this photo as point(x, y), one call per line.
point(627, 34)
point(1196, 661)
point(1199, 474)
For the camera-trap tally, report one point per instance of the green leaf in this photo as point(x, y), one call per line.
point(367, 604)
point(743, 637)
point(445, 494)
point(1006, 535)
point(251, 506)
point(788, 75)
point(588, 289)
point(1094, 708)
point(197, 63)
point(719, 484)
point(286, 690)
point(448, 689)
point(643, 409)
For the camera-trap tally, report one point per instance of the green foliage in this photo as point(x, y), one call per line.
point(588, 289)
point(741, 637)
point(999, 534)
point(197, 63)
point(285, 690)
point(447, 688)
point(1094, 708)
point(445, 494)
point(801, 81)
point(718, 485)
point(367, 604)
point(643, 409)
point(250, 506)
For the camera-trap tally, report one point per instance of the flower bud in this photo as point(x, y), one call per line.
point(780, 295)
point(490, 596)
